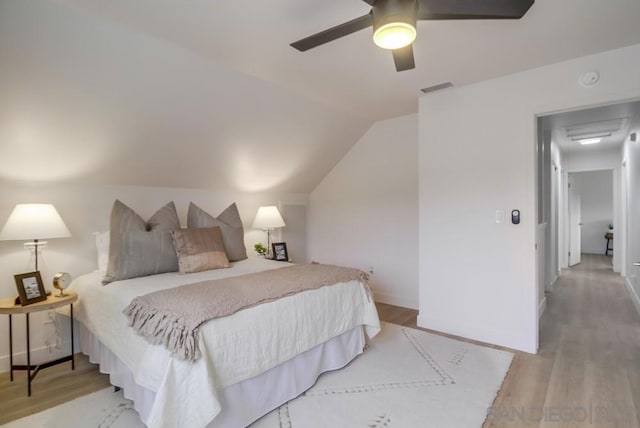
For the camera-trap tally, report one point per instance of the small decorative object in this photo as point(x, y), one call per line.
point(280, 252)
point(260, 249)
point(268, 218)
point(30, 288)
point(61, 281)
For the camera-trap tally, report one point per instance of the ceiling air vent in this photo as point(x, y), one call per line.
point(436, 87)
point(603, 128)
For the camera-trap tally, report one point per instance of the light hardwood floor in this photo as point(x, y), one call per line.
point(586, 373)
point(54, 385)
point(587, 370)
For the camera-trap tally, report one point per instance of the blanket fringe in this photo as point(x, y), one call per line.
point(165, 329)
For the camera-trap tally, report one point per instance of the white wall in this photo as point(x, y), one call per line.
point(592, 160)
point(596, 195)
point(541, 241)
point(631, 171)
point(557, 226)
point(609, 159)
point(85, 209)
point(365, 212)
point(477, 155)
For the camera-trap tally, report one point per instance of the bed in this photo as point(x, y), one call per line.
point(252, 361)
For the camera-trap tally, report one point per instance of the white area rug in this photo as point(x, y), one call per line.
point(406, 378)
point(101, 409)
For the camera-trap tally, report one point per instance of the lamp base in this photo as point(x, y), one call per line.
point(269, 254)
point(35, 248)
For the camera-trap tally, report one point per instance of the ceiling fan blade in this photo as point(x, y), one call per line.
point(334, 33)
point(473, 9)
point(403, 58)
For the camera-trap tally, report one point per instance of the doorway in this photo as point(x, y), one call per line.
point(581, 174)
point(590, 214)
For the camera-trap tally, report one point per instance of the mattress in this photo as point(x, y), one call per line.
point(234, 348)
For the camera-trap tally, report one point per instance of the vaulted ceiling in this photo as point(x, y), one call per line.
point(204, 93)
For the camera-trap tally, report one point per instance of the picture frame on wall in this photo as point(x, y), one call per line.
point(280, 251)
point(30, 288)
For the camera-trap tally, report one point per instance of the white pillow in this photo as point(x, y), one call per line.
point(102, 246)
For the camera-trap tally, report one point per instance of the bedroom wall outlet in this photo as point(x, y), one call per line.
point(499, 216)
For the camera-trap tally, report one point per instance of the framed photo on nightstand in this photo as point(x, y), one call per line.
point(30, 288)
point(280, 251)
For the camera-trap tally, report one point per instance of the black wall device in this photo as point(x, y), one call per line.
point(515, 216)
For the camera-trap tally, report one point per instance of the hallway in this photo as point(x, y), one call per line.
point(587, 371)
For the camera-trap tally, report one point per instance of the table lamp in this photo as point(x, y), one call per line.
point(268, 218)
point(34, 222)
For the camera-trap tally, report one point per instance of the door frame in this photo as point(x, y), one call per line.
point(538, 112)
point(569, 218)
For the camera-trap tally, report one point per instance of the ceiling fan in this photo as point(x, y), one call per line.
point(394, 22)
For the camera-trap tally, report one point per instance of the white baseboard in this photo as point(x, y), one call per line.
point(549, 286)
point(632, 293)
point(462, 330)
point(395, 300)
point(542, 306)
point(38, 355)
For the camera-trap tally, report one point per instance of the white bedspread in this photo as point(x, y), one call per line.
point(234, 348)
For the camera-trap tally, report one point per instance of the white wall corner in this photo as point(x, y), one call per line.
point(632, 293)
point(395, 299)
point(485, 336)
point(374, 184)
point(550, 285)
point(542, 307)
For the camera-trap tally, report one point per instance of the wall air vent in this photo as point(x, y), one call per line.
point(436, 87)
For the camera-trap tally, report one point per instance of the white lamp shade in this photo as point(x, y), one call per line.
point(34, 221)
point(268, 218)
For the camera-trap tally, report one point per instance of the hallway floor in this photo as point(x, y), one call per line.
point(587, 371)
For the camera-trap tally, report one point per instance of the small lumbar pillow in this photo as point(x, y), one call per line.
point(139, 248)
point(230, 225)
point(199, 249)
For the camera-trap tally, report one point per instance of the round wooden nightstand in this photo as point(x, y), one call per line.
point(8, 307)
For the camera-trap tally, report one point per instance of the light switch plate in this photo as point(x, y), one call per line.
point(499, 216)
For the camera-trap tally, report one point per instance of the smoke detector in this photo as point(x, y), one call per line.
point(589, 79)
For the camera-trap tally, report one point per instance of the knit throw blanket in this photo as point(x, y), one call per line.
point(172, 317)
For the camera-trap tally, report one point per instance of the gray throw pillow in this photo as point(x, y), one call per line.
point(139, 248)
point(230, 225)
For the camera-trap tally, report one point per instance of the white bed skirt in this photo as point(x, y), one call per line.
point(246, 401)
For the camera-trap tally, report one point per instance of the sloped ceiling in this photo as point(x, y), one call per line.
point(204, 93)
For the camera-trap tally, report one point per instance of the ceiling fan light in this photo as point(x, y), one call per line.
point(394, 35)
